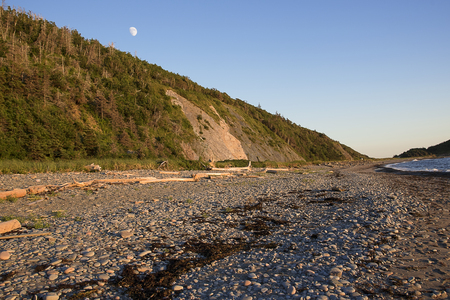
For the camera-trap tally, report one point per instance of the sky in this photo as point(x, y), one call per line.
point(373, 75)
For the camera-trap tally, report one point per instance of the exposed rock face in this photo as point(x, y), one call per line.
point(220, 141)
point(215, 142)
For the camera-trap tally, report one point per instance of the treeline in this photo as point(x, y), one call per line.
point(440, 149)
point(64, 96)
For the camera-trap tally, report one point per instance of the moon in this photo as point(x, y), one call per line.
point(133, 31)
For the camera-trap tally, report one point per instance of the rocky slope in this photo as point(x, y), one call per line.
point(217, 141)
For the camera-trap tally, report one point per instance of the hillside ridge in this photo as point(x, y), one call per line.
point(442, 149)
point(63, 97)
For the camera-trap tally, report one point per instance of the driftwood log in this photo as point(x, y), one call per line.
point(16, 193)
point(235, 169)
point(40, 189)
point(6, 237)
point(274, 171)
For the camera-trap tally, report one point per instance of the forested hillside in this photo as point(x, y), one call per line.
point(439, 149)
point(63, 96)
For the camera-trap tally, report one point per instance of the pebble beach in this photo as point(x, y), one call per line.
point(332, 231)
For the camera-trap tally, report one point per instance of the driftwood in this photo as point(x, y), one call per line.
point(37, 189)
point(16, 193)
point(164, 163)
point(169, 173)
point(24, 235)
point(235, 169)
point(9, 226)
point(274, 171)
point(93, 168)
point(143, 180)
point(203, 175)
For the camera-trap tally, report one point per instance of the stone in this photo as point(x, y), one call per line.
point(55, 262)
point(50, 296)
point(144, 253)
point(5, 255)
point(104, 277)
point(336, 272)
point(9, 225)
point(247, 282)
point(69, 270)
point(88, 253)
point(53, 277)
point(126, 234)
point(177, 288)
point(291, 290)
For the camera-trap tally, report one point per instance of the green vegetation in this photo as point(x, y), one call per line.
point(59, 214)
point(440, 149)
point(31, 221)
point(65, 100)
point(11, 199)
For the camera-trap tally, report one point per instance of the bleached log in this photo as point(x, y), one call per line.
point(203, 175)
point(9, 225)
point(274, 171)
point(6, 237)
point(36, 189)
point(235, 169)
point(93, 168)
point(17, 193)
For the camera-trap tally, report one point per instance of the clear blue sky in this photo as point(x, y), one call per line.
point(374, 75)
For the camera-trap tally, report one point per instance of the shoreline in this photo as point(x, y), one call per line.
point(342, 231)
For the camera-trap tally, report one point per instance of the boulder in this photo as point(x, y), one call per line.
point(9, 226)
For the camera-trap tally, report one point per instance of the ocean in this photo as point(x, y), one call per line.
point(423, 165)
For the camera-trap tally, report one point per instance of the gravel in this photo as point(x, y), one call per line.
point(321, 232)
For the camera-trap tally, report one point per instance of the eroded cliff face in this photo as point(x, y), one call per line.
point(214, 140)
point(218, 141)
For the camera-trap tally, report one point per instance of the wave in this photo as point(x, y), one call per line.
point(423, 165)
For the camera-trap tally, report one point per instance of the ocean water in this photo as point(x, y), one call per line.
point(423, 165)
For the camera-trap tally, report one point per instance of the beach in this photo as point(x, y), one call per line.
point(331, 231)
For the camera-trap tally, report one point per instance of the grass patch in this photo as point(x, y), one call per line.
point(34, 197)
point(11, 199)
point(59, 214)
point(31, 221)
point(14, 166)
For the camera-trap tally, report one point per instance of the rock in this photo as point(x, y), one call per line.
point(9, 225)
point(247, 282)
point(5, 255)
point(177, 288)
point(104, 277)
point(50, 296)
point(126, 234)
point(291, 290)
point(69, 270)
point(53, 277)
point(55, 262)
point(252, 276)
point(144, 253)
point(336, 272)
point(144, 269)
point(88, 253)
